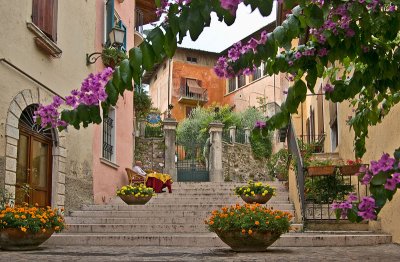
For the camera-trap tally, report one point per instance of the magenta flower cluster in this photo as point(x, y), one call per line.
point(230, 5)
point(345, 206)
point(366, 208)
point(165, 4)
point(91, 93)
point(385, 164)
point(260, 124)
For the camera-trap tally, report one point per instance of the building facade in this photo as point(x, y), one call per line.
point(43, 56)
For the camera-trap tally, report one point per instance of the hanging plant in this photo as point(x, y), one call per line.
point(112, 57)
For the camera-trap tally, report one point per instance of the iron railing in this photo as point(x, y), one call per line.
point(294, 153)
point(226, 136)
point(314, 143)
point(153, 131)
point(322, 189)
point(184, 92)
point(240, 136)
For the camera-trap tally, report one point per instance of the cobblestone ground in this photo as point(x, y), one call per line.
point(95, 253)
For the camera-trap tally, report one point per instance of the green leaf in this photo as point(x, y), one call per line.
point(83, 113)
point(380, 179)
point(126, 74)
point(95, 114)
point(135, 60)
point(314, 16)
point(265, 7)
point(148, 56)
point(116, 79)
point(311, 79)
point(196, 23)
point(112, 93)
point(397, 154)
point(279, 34)
point(156, 36)
point(170, 43)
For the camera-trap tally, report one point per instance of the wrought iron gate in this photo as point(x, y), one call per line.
point(192, 162)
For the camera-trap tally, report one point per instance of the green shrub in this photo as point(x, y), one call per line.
point(261, 143)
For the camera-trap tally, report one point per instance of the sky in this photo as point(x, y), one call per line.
point(219, 36)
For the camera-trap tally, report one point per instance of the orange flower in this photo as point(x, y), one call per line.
point(250, 231)
point(57, 228)
point(23, 229)
point(23, 217)
point(243, 231)
point(43, 230)
point(278, 217)
point(211, 223)
point(257, 223)
point(16, 216)
point(266, 222)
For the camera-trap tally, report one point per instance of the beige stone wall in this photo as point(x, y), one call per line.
point(75, 37)
point(158, 89)
point(239, 164)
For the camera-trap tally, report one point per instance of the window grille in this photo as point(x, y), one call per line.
point(109, 136)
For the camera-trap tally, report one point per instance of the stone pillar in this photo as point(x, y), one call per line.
point(232, 134)
point(142, 127)
point(247, 135)
point(170, 147)
point(215, 158)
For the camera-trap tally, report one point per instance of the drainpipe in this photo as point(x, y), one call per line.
point(105, 22)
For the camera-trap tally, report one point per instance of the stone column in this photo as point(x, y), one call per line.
point(215, 158)
point(247, 135)
point(170, 147)
point(232, 134)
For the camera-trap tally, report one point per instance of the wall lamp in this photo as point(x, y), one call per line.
point(116, 37)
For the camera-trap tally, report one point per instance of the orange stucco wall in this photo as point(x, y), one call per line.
point(105, 177)
point(214, 85)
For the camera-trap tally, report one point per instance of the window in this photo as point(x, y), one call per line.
point(241, 81)
point(191, 59)
point(257, 73)
point(334, 125)
point(232, 85)
point(44, 16)
point(109, 136)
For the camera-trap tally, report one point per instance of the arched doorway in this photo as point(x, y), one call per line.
point(34, 160)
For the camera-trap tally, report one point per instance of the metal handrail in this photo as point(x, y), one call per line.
point(294, 150)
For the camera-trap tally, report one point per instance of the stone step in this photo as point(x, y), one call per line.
point(137, 228)
point(171, 206)
point(281, 197)
point(221, 184)
point(211, 240)
point(136, 220)
point(189, 191)
point(144, 213)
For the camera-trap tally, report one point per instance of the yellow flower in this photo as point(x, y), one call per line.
point(17, 216)
point(56, 228)
point(43, 230)
point(23, 229)
point(250, 231)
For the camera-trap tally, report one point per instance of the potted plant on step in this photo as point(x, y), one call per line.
point(26, 227)
point(255, 192)
point(249, 227)
point(135, 194)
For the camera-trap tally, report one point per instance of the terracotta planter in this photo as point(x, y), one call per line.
point(260, 199)
point(132, 200)
point(15, 239)
point(320, 170)
point(349, 170)
point(256, 242)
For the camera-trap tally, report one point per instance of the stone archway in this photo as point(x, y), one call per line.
point(21, 101)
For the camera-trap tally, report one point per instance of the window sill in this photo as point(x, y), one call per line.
point(44, 42)
point(246, 85)
point(109, 163)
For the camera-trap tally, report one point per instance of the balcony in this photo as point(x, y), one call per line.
point(148, 9)
point(192, 94)
point(139, 18)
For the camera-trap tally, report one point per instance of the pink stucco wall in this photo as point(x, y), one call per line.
point(105, 177)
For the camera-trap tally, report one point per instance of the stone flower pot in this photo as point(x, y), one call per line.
point(132, 200)
point(15, 239)
point(256, 242)
point(258, 198)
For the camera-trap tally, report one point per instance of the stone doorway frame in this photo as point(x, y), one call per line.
point(18, 104)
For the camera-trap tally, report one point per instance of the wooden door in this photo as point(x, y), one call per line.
point(34, 169)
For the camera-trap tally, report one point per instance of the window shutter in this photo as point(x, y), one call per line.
point(44, 16)
point(123, 27)
point(110, 18)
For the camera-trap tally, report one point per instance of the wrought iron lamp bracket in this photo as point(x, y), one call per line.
point(92, 58)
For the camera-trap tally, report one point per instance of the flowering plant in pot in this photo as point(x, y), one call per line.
point(255, 192)
point(26, 227)
point(249, 227)
point(352, 167)
point(112, 57)
point(135, 194)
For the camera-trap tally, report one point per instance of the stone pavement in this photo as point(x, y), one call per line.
point(381, 253)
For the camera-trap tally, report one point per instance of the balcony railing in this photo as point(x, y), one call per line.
point(139, 21)
point(186, 96)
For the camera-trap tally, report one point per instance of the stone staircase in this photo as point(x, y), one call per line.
point(177, 219)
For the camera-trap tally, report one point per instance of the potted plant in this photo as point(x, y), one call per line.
point(135, 194)
point(112, 56)
point(249, 227)
point(255, 192)
point(320, 168)
point(352, 167)
point(278, 165)
point(26, 227)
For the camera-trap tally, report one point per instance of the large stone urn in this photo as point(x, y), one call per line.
point(132, 200)
point(244, 242)
point(15, 239)
point(258, 198)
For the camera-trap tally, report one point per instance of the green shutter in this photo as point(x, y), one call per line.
point(110, 18)
point(123, 27)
